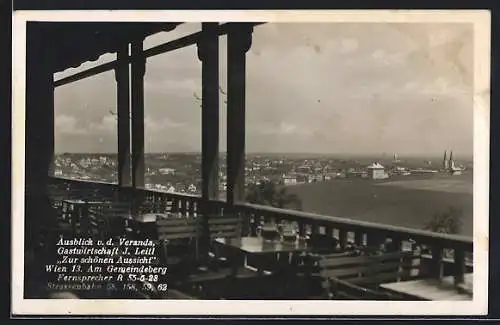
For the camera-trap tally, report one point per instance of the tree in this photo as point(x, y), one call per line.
point(449, 221)
point(267, 193)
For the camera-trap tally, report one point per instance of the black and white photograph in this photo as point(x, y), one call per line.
point(260, 162)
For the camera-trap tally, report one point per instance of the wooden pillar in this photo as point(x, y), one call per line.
point(39, 145)
point(208, 53)
point(39, 111)
point(138, 70)
point(122, 76)
point(239, 41)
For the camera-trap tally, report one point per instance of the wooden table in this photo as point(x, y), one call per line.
point(145, 223)
point(271, 261)
point(144, 218)
point(433, 289)
point(257, 246)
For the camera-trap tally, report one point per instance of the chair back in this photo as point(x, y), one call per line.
point(177, 235)
point(366, 269)
point(343, 290)
point(224, 226)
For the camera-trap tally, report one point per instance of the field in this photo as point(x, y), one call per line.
point(408, 201)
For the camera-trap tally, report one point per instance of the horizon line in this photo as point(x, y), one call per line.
point(279, 153)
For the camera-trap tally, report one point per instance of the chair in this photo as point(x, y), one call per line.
point(361, 275)
point(179, 238)
point(107, 220)
point(338, 289)
point(222, 226)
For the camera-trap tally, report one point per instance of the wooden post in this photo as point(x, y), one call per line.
point(122, 76)
point(329, 231)
point(239, 41)
point(39, 110)
point(208, 54)
point(459, 265)
point(374, 240)
point(138, 70)
point(39, 131)
point(359, 237)
point(437, 261)
point(342, 238)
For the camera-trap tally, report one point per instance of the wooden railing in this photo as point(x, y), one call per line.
point(441, 254)
point(431, 246)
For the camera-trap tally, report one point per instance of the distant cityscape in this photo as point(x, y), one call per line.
point(389, 189)
point(181, 172)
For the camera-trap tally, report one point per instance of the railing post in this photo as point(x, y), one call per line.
point(182, 206)
point(314, 229)
point(459, 265)
point(301, 229)
point(253, 224)
point(204, 235)
point(245, 222)
point(437, 261)
point(374, 239)
point(342, 238)
point(397, 244)
point(329, 231)
point(358, 237)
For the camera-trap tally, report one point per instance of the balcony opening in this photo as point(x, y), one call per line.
point(172, 122)
point(85, 129)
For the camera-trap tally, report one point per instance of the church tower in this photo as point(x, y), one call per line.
point(445, 162)
point(451, 164)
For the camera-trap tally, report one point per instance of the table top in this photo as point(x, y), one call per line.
point(432, 289)
point(78, 201)
point(73, 201)
point(258, 245)
point(143, 217)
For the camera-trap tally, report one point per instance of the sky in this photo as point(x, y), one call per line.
point(332, 88)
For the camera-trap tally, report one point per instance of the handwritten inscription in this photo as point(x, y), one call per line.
point(115, 265)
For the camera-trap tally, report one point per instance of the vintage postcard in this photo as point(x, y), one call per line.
point(250, 163)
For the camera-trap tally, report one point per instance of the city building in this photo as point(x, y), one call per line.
point(167, 171)
point(377, 171)
point(289, 180)
point(401, 171)
point(315, 178)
